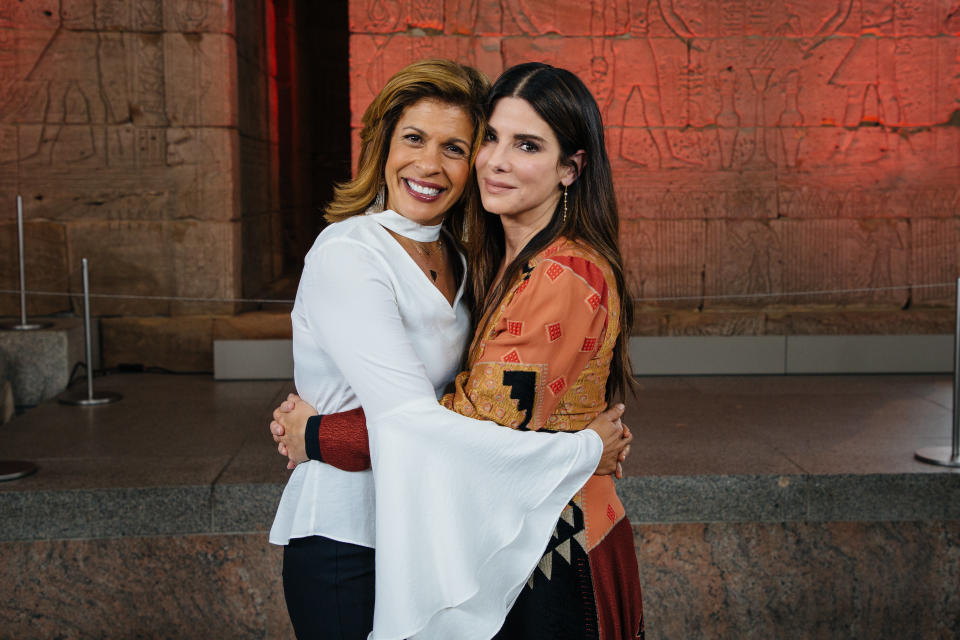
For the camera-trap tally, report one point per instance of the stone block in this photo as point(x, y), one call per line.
point(50, 77)
point(45, 266)
point(128, 15)
point(716, 323)
point(199, 16)
point(182, 343)
point(374, 59)
point(664, 261)
point(816, 579)
point(77, 14)
point(258, 325)
point(129, 260)
point(478, 17)
point(200, 79)
point(931, 196)
point(40, 362)
point(850, 257)
point(744, 265)
point(934, 260)
point(203, 170)
point(42, 14)
point(799, 322)
point(147, 174)
point(135, 585)
point(205, 258)
point(370, 16)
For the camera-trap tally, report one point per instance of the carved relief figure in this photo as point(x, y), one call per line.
point(637, 104)
point(191, 15)
point(869, 68)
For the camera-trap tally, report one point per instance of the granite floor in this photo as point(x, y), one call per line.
point(176, 430)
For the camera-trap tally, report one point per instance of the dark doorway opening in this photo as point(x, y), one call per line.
point(294, 114)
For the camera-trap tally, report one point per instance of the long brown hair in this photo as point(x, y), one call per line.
point(564, 102)
point(443, 80)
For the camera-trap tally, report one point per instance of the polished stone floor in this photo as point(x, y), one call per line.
point(173, 430)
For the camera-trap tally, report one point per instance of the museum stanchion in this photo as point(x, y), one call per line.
point(13, 469)
point(23, 325)
point(949, 456)
point(79, 398)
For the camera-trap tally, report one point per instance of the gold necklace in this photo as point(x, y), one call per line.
point(427, 252)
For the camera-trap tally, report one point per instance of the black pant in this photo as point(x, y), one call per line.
point(329, 588)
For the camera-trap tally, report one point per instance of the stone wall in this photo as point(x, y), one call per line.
point(118, 125)
point(718, 580)
point(759, 146)
point(183, 147)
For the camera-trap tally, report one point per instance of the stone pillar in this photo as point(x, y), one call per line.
point(118, 124)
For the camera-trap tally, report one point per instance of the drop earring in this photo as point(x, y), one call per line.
point(563, 220)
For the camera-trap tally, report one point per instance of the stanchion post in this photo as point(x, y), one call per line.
point(23, 325)
point(949, 456)
point(88, 399)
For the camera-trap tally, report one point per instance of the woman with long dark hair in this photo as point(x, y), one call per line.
point(548, 352)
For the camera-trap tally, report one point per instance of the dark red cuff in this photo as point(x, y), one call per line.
point(339, 439)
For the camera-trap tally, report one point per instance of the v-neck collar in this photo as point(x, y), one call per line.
point(389, 219)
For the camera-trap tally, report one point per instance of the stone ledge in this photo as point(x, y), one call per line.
point(249, 507)
point(39, 362)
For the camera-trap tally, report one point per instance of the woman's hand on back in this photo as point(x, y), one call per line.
point(289, 423)
point(616, 441)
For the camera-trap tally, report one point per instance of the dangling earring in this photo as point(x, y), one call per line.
point(563, 220)
point(380, 202)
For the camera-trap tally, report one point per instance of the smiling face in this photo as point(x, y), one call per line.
point(518, 167)
point(428, 164)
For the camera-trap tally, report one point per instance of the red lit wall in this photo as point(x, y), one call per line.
point(759, 147)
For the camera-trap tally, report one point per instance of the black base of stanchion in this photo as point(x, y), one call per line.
point(30, 326)
point(942, 456)
point(13, 469)
point(83, 399)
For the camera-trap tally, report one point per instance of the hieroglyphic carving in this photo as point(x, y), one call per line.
point(377, 57)
point(744, 258)
point(636, 111)
point(148, 81)
point(38, 15)
point(112, 70)
point(665, 259)
point(147, 15)
point(935, 258)
point(191, 15)
point(112, 14)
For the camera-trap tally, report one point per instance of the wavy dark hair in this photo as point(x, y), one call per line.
point(566, 105)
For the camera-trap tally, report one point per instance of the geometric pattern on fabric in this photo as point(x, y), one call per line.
point(523, 387)
point(569, 535)
point(561, 605)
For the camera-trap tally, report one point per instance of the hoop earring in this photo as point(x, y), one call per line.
point(563, 220)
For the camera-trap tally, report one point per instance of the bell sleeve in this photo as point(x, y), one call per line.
point(464, 508)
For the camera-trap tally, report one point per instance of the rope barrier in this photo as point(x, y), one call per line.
point(731, 296)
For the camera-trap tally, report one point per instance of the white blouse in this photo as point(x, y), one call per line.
point(459, 510)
